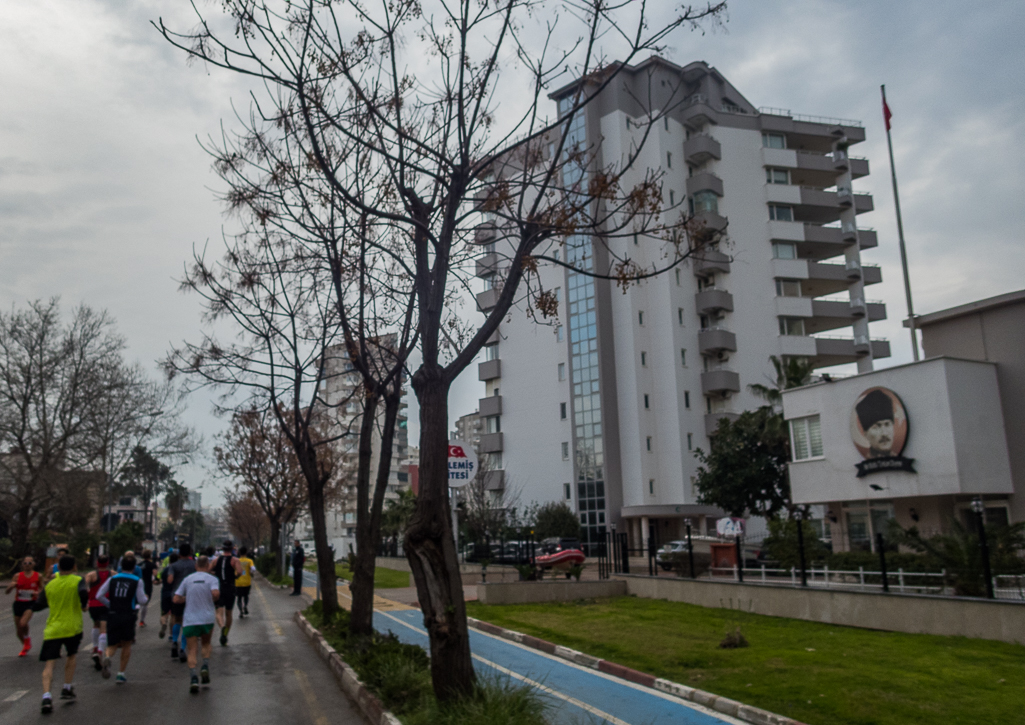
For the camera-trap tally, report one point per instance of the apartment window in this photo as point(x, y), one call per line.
point(562, 371)
point(806, 438)
point(784, 250)
point(559, 335)
point(647, 402)
point(644, 359)
point(567, 491)
point(781, 212)
point(791, 326)
point(669, 156)
point(565, 451)
point(704, 322)
point(665, 120)
point(708, 405)
point(640, 318)
point(647, 443)
point(679, 315)
point(651, 486)
point(495, 460)
point(556, 255)
point(690, 441)
point(686, 399)
point(788, 288)
point(706, 201)
point(672, 198)
point(774, 141)
point(562, 411)
point(557, 293)
point(491, 352)
point(637, 239)
point(493, 424)
point(683, 357)
point(677, 278)
point(777, 176)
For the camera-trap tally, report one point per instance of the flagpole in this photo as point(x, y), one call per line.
point(900, 230)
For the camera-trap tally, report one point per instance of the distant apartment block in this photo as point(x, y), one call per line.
point(605, 409)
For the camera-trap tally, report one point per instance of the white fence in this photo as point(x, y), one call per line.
point(1008, 587)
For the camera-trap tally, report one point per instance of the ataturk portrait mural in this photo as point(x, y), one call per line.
point(879, 430)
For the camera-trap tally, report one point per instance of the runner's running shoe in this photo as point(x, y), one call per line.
point(194, 684)
point(106, 668)
point(121, 679)
point(47, 705)
point(204, 675)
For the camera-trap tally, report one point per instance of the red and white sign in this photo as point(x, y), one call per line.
point(730, 527)
point(462, 463)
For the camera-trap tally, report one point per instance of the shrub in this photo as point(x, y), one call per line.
point(781, 544)
point(267, 563)
point(679, 562)
point(555, 518)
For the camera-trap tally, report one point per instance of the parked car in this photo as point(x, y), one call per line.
point(663, 555)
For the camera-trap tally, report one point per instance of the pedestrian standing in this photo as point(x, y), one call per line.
point(121, 594)
point(298, 560)
point(197, 594)
point(147, 568)
point(66, 596)
point(26, 588)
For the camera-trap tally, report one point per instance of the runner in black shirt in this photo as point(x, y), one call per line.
point(227, 568)
point(148, 567)
point(120, 594)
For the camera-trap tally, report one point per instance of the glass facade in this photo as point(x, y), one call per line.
point(588, 449)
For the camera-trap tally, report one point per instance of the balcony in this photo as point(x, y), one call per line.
point(852, 268)
point(710, 261)
point(713, 300)
point(697, 112)
point(699, 148)
point(716, 340)
point(834, 314)
point(487, 264)
point(704, 181)
point(814, 132)
point(705, 225)
point(720, 382)
point(839, 350)
point(490, 442)
point(487, 299)
point(485, 234)
point(712, 421)
point(489, 406)
point(489, 370)
point(494, 480)
point(826, 279)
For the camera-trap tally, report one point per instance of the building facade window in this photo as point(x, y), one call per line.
point(806, 438)
point(646, 402)
point(677, 277)
point(562, 411)
point(640, 318)
point(559, 334)
point(647, 443)
point(788, 288)
point(567, 491)
point(683, 357)
point(679, 316)
point(651, 486)
point(791, 326)
point(784, 250)
point(562, 371)
point(781, 212)
point(493, 424)
point(669, 156)
point(690, 441)
point(706, 201)
point(672, 198)
point(565, 451)
point(777, 176)
point(774, 141)
point(491, 352)
point(686, 399)
point(644, 359)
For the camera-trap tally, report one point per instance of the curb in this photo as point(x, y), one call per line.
point(726, 706)
point(372, 709)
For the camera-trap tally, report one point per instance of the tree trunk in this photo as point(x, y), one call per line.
point(431, 550)
point(362, 621)
point(325, 561)
point(275, 540)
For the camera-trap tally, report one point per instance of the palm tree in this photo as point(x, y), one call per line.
point(791, 372)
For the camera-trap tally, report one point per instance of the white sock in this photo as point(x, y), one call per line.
point(67, 685)
point(103, 642)
point(96, 637)
point(47, 695)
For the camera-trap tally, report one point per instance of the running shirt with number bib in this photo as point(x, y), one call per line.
point(102, 575)
point(27, 587)
point(122, 595)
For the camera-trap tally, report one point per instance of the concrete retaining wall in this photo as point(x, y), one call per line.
point(549, 591)
point(916, 614)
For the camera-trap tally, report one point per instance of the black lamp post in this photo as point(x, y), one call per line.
point(800, 548)
point(690, 550)
point(980, 517)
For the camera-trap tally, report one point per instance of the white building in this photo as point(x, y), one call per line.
point(605, 411)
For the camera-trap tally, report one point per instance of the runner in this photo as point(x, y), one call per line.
point(244, 582)
point(227, 568)
point(94, 580)
point(66, 596)
point(166, 595)
point(26, 585)
point(120, 593)
point(179, 570)
point(197, 595)
point(147, 568)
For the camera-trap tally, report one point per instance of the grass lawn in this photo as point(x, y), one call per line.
point(815, 673)
point(383, 578)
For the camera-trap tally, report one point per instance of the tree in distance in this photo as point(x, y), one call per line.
point(557, 519)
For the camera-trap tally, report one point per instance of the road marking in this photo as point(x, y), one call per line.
point(311, 698)
point(16, 696)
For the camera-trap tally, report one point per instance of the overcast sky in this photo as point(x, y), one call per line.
point(104, 189)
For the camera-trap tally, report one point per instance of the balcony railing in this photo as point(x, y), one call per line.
point(770, 111)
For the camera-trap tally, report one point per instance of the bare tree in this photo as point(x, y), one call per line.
point(246, 518)
point(486, 505)
point(259, 458)
point(443, 154)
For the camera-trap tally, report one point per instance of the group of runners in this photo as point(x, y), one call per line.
point(197, 593)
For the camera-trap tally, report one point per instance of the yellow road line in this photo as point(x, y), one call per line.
point(311, 698)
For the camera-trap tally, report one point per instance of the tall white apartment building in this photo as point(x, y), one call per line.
point(606, 410)
point(340, 391)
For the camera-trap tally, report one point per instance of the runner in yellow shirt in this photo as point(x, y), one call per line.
point(66, 595)
point(244, 582)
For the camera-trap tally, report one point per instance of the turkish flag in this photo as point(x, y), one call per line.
point(886, 114)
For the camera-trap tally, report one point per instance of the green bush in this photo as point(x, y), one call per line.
point(781, 544)
point(679, 562)
point(267, 563)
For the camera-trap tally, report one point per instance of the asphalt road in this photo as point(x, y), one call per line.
point(268, 673)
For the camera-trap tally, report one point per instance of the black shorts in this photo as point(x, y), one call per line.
point(51, 649)
point(120, 630)
point(98, 614)
point(241, 592)
point(227, 599)
point(166, 602)
point(178, 610)
point(21, 607)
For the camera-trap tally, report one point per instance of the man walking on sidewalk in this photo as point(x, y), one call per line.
point(120, 594)
point(197, 593)
point(66, 597)
point(298, 560)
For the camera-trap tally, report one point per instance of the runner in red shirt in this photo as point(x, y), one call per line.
point(26, 585)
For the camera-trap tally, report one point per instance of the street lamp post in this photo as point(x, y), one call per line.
point(800, 548)
point(980, 518)
point(690, 549)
